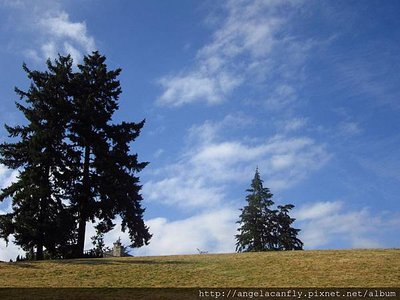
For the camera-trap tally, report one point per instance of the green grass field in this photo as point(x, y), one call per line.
point(325, 268)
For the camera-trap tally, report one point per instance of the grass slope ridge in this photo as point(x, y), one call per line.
point(322, 268)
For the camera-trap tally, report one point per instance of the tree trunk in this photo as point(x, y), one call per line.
point(40, 226)
point(81, 234)
point(40, 236)
point(39, 251)
point(83, 203)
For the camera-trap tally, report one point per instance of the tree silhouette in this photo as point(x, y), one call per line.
point(263, 228)
point(75, 163)
point(103, 170)
point(287, 236)
point(39, 218)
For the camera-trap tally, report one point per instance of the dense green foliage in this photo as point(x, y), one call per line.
point(74, 164)
point(263, 228)
point(39, 218)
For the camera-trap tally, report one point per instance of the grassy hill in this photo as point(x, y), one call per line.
point(325, 268)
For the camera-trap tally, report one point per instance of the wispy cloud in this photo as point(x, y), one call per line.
point(61, 27)
point(10, 251)
point(291, 125)
point(61, 35)
point(241, 51)
point(196, 86)
point(213, 231)
point(349, 128)
point(323, 223)
point(386, 167)
point(211, 161)
point(48, 30)
point(282, 96)
point(7, 176)
point(13, 3)
point(284, 160)
point(317, 210)
point(367, 78)
point(183, 190)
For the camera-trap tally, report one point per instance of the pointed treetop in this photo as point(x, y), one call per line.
point(257, 181)
point(257, 174)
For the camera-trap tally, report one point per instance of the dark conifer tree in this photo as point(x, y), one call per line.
point(256, 231)
point(39, 218)
point(104, 172)
point(75, 164)
point(263, 228)
point(286, 234)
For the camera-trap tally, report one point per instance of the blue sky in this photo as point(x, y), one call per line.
point(308, 91)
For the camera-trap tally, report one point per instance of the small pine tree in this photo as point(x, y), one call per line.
point(263, 228)
point(257, 219)
point(286, 235)
point(98, 240)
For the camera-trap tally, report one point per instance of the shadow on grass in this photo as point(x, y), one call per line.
point(99, 261)
point(24, 265)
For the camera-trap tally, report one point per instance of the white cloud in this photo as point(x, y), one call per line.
point(60, 27)
point(213, 231)
point(281, 159)
point(241, 50)
point(325, 223)
point(226, 153)
point(196, 86)
point(283, 96)
point(292, 124)
point(210, 163)
point(74, 52)
point(7, 176)
point(158, 153)
point(48, 30)
point(349, 128)
point(184, 191)
point(10, 251)
point(317, 210)
point(49, 50)
point(210, 131)
point(61, 35)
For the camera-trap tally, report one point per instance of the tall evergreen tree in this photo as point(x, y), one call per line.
point(75, 164)
point(39, 218)
point(286, 234)
point(104, 172)
point(256, 232)
point(263, 228)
